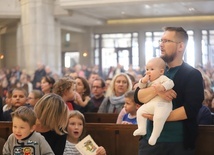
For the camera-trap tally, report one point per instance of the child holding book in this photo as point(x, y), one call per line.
point(24, 140)
point(76, 131)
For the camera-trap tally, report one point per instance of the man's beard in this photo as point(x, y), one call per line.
point(168, 58)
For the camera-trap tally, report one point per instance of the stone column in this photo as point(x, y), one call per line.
point(38, 35)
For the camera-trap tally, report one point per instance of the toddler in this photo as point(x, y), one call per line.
point(24, 140)
point(131, 108)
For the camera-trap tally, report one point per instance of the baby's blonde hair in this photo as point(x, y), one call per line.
point(52, 112)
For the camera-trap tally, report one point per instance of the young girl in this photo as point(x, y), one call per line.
point(76, 131)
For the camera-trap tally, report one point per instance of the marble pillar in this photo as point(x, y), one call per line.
point(38, 36)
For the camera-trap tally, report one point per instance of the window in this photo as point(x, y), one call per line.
point(71, 59)
point(116, 48)
point(67, 37)
point(207, 44)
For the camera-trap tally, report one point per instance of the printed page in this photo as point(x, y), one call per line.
point(87, 146)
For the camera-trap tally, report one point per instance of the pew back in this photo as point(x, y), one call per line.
point(5, 129)
point(205, 139)
point(117, 138)
point(100, 117)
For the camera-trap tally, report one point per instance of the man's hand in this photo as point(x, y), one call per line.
point(159, 87)
point(168, 95)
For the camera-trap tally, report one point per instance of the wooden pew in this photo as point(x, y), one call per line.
point(100, 117)
point(5, 129)
point(117, 139)
point(205, 139)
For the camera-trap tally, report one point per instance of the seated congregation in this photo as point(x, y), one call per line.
point(109, 115)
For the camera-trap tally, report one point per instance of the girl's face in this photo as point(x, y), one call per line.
point(21, 129)
point(79, 86)
point(45, 86)
point(120, 85)
point(75, 129)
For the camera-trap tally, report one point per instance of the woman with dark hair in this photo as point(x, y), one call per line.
point(47, 83)
point(83, 91)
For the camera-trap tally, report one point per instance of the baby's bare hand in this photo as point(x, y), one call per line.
point(145, 79)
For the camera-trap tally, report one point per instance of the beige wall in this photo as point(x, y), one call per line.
point(8, 48)
point(79, 42)
point(83, 41)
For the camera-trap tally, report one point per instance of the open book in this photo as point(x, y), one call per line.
point(87, 146)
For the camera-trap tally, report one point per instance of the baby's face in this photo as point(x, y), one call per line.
point(153, 74)
point(153, 71)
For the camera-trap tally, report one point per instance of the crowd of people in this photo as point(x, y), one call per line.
point(54, 102)
point(59, 102)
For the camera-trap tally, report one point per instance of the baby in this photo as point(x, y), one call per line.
point(158, 106)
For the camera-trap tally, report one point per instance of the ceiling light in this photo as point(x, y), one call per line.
point(160, 19)
point(191, 9)
point(147, 6)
